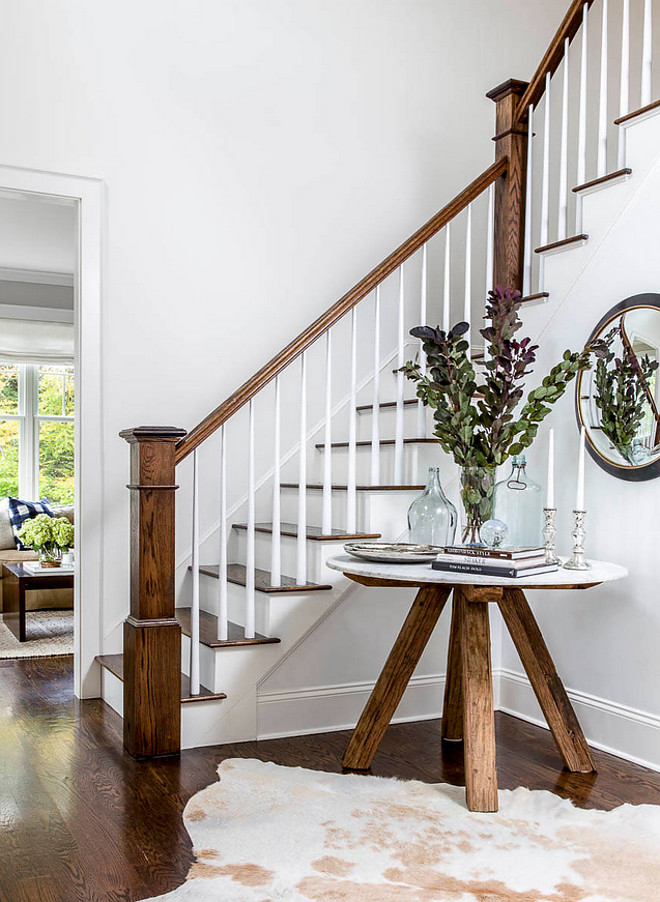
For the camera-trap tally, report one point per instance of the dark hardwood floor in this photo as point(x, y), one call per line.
point(80, 820)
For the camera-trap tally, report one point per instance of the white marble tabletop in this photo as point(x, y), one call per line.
point(600, 572)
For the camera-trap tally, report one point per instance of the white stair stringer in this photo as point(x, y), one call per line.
point(603, 208)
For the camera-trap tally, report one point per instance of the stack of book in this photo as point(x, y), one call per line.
point(512, 561)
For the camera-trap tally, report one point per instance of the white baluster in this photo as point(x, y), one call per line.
point(624, 85)
point(398, 432)
point(250, 559)
point(194, 607)
point(301, 542)
point(446, 300)
point(467, 299)
point(490, 238)
point(582, 121)
point(562, 218)
point(529, 189)
point(545, 182)
point(351, 494)
point(601, 168)
point(222, 566)
point(375, 410)
point(326, 514)
point(421, 413)
point(647, 53)
point(276, 538)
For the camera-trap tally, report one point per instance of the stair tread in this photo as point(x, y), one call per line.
point(208, 631)
point(386, 405)
point(314, 533)
point(115, 664)
point(386, 441)
point(564, 242)
point(236, 573)
point(639, 112)
point(603, 179)
point(318, 487)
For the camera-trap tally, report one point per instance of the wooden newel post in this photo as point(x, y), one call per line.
point(152, 635)
point(510, 142)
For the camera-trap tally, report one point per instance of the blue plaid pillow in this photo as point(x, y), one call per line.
point(20, 511)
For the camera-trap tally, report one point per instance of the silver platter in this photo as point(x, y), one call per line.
point(385, 553)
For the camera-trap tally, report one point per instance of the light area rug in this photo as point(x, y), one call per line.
point(266, 833)
point(48, 633)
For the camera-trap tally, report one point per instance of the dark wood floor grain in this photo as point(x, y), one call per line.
point(79, 820)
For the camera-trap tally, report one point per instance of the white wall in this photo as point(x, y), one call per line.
point(259, 158)
point(36, 234)
point(605, 640)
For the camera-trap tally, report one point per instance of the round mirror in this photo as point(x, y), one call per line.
point(618, 399)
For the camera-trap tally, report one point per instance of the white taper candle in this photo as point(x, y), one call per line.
point(579, 497)
point(550, 497)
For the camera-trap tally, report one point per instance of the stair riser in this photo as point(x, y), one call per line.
point(317, 554)
point(387, 423)
point(417, 458)
point(383, 512)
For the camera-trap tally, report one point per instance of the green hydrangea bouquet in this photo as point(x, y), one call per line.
point(50, 537)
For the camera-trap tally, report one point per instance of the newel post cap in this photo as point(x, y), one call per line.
point(508, 87)
point(153, 433)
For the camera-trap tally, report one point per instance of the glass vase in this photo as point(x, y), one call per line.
point(477, 485)
point(432, 518)
point(518, 502)
point(50, 558)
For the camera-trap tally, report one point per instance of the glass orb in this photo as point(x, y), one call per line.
point(493, 533)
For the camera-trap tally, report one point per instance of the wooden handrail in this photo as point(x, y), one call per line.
point(552, 58)
point(282, 360)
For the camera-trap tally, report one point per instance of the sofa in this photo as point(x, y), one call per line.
point(36, 599)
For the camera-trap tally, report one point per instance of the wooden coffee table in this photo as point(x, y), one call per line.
point(468, 706)
point(16, 581)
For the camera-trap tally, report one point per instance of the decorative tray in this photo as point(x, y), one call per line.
point(397, 553)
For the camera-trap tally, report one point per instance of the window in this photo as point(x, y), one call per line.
point(36, 432)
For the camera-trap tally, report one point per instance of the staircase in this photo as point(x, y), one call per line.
point(326, 443)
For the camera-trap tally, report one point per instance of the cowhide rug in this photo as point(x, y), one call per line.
point(266, 833)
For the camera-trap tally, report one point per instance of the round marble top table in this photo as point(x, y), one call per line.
point(468, 711)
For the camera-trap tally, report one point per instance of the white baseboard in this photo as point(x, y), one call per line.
point(621, 730)
point(618, 729)
point(324, 709)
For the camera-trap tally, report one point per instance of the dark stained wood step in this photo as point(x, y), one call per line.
point(314, 533)
point(535, 297)
point(640, 112)
point(208, 631)
point(565, 242)
point(317, 487)
point(387, 441)
point(115, 665)
point(603, 180)
point(236, 574)
point(387, 405)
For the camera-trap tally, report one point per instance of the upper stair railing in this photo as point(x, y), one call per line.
point(598, 67)
point(496, 231)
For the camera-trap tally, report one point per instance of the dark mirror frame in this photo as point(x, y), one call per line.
point(629, 473)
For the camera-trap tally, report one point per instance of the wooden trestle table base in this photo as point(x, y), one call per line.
point(468, 712)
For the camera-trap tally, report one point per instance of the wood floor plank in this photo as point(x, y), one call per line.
point(111, 829)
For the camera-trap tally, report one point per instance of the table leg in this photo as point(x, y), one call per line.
point(395, 676)
point(545, 681)
point(13, 605)
point(452, 709)
point(478, 714)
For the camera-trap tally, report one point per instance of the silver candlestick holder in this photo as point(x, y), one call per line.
point(550, 535)
point(577, 561)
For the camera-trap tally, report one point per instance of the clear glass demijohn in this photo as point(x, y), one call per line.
point(518, 502)
point(432, 518)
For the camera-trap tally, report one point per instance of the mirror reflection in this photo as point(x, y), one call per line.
point(618, 399)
